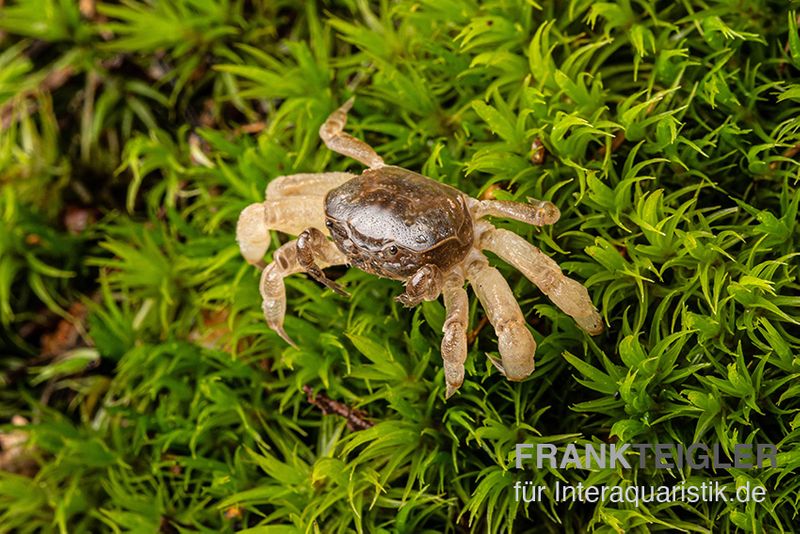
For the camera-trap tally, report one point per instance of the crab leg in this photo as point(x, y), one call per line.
point(285, 263)
point(310, 184)
point(334, 137)
point(290, 215)
point(570, 296)
point(454, 340)
point(535, 212)
point(514, 341)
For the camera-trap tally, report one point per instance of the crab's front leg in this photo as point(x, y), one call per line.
point(285, 262)
point(425, 284)
point(290, 215)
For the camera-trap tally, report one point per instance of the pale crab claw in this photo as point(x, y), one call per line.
point(281, 332)
point(273, 312)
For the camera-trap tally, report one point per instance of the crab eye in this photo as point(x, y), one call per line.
point(329, 223)
point(393, 250)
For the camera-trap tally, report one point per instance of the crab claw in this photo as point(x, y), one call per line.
point(497, 364)
point(281, 332)
point(327, 282)
point(273, 313)
point(520, 368)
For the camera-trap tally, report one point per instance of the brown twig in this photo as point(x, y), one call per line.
point(788, 153)
point(356, 419)
point(619, 138)
point(473, 334)
point(783, 62)
point(57, 335)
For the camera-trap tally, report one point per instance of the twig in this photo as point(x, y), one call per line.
point(355, 418)
point(788, 153)
point(619, 138)
point(473, 334)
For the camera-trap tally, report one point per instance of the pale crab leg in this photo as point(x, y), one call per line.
point(570, 296)
point(285, 263)
point(306, 184)
point(290, 215)
point(333, 135)
point(454, 340)
point(535, 212)
point(514, 341)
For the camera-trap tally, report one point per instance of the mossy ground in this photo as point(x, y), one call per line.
point(133, 343)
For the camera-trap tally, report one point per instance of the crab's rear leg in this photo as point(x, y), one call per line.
point(515, 342)
point(569, 295)
point(333, 135)
point(285, 262)
point(454, 339)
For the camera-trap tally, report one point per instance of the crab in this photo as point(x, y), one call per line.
point(398, 224)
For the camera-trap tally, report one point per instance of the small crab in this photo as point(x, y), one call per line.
point(395, 223)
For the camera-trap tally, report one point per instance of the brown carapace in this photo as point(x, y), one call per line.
point(395, 223)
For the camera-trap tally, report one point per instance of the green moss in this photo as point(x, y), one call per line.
point(671, 132)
